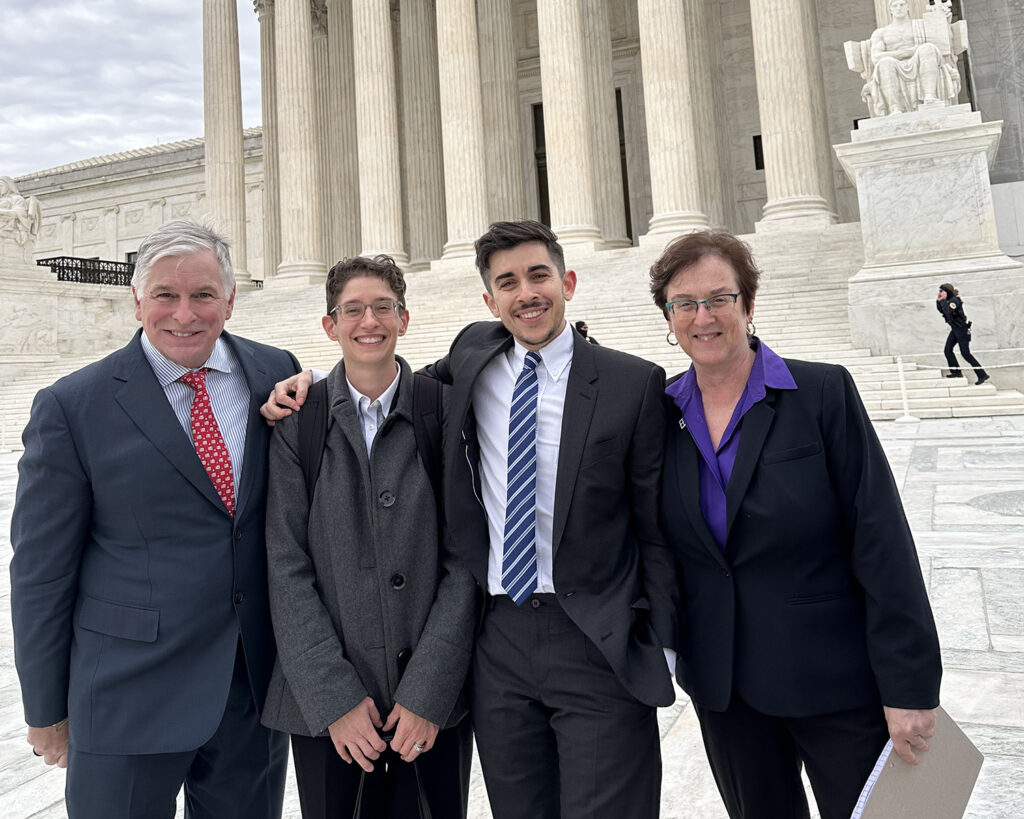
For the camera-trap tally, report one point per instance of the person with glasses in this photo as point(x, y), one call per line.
point(806, 635)
point(374, 625)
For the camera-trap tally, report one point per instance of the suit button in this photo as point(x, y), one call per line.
point(238, 534)
point(725, 572)
point(387, 498)
point(398, 581)
point(403, 659)
point(535, 603)
point(239, 597)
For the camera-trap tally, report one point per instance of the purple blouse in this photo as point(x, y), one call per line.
point(716, 467)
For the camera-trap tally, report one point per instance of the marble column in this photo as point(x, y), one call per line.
point(380, 182)
point(301, 228)
point(222, 109)
point(499, 87)
point(421, 131)
point(271, 168)
point(342, 136)
point(322, 123)
point(604, 131)
point(791, 102)
point(462, 125)
point(567, 122)
point(703, 107)
point(665, 29)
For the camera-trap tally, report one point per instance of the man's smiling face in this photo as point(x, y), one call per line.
point(183, 306)
point(527, 293)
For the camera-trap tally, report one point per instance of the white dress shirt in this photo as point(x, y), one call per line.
point(371, 414)
point(492, 401)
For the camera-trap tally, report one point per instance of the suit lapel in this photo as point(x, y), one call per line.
point(143, 400)
point(580, 402)
point(756, 424)
point(688, 477)
point(256, 431)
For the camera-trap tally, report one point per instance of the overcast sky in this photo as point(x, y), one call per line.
point(84, 78)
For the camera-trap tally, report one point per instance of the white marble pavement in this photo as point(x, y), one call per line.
point(963, 486)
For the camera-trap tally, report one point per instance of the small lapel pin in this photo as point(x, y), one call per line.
point(682, 424)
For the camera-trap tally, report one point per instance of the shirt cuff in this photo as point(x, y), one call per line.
point(670, 658)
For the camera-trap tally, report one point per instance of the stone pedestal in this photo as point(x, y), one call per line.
point(927, 218)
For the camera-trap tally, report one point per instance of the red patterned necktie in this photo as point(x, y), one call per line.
point(209, 443)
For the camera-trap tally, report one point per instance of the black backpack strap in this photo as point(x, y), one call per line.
point(313, 434)
point(428, 418)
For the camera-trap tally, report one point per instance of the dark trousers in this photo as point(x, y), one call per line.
point(558, 735)
point(328, 786)
point(959, 336)
point(238, 774)
point(756, 759)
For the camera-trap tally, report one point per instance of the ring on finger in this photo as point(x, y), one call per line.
point(418, 748)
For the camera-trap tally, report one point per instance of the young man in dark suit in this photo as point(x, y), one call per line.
point(138, 584)
point(579, 589)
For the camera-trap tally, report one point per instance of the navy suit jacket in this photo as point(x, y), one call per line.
point(817, 603)
point(130, 582)
point(613, 572)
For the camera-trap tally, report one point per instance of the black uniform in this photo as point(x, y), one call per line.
point(952, 309)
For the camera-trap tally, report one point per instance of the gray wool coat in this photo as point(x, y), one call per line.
point(359, 582)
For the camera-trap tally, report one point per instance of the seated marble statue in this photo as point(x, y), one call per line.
point(910, 63)
point(19, 216)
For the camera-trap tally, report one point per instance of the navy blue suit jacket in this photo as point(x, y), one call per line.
point(130, 582)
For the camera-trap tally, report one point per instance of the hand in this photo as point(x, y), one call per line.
point(280, 403)
point(411, 730)
point(51, 743)
point(355, 735)
point(909, 730)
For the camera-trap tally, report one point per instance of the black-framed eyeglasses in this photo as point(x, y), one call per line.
point(355, 310)
point(714, 304)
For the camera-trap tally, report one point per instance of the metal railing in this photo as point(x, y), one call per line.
point(89, 271)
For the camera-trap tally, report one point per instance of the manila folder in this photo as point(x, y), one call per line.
point(938, 787)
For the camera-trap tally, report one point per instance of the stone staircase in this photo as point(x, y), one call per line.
point(801, 312)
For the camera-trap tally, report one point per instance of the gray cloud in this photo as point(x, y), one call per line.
point(83, 78)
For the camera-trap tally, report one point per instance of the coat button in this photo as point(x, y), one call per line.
point(398, 581)
point(403, 659)
point(387, 498)
point(238, 534)
point(725, 572)
point(535, 603)
point(239, 597)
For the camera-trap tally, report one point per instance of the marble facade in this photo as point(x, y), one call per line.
point(423, 150)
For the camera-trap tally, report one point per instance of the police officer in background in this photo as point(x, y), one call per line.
point(951, 306)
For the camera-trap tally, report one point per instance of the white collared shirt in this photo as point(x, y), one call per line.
point(492, 401)
point(228, 390)
point(371, 414)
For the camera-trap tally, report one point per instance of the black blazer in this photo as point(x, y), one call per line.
point(817, 603)
point(613, 572)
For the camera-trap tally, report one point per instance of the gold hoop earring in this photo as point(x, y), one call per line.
point(671, 341)
point(751, 329)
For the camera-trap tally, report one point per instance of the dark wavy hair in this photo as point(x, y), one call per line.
point(382, 266)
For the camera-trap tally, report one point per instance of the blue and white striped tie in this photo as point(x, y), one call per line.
point(519, 560)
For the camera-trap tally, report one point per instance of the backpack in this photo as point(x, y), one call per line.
point(428, 416)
